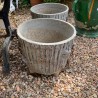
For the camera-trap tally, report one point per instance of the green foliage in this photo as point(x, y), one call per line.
point(55, 1)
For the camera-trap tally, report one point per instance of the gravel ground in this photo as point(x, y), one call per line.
point(78, 80)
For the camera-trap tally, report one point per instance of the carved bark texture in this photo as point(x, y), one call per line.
point(56, 11)
point(46, 59)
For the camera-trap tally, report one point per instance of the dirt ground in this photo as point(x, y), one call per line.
point(78, 80)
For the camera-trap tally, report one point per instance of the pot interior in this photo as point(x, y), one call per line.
point(48, 8)
point(44, 35)
point(45, 30)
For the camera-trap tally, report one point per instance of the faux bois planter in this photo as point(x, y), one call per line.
point(46, 44)
point(50, 10)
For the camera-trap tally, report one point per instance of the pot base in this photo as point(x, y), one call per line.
point(87, 33)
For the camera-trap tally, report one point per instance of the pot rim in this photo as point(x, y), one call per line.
point(41, 43)
point(67, 8)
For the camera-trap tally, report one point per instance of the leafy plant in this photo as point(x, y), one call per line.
point(52, 1)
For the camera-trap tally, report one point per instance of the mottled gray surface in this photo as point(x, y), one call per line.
point(46, 44)
point(50, 10)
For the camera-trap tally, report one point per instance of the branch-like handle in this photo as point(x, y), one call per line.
point(5, 50)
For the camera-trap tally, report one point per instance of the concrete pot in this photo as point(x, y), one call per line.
point(46, 44)
point(50, 10)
